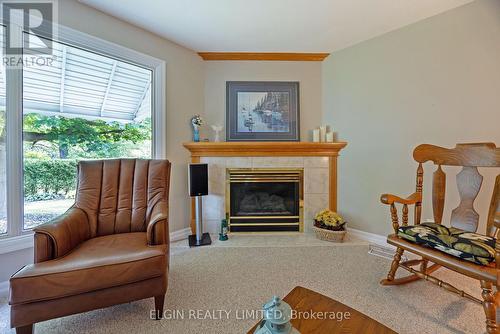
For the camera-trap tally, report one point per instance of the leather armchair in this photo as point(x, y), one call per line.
point(110, 247)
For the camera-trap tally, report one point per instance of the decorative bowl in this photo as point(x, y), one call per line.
point(329, 235)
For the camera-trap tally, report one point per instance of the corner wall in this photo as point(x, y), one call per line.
point(436, 81)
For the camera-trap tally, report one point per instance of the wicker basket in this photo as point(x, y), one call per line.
point(328, 235)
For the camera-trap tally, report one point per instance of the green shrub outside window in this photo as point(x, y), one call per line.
point(49, 179)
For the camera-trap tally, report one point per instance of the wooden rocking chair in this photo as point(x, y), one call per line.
point(464, 217)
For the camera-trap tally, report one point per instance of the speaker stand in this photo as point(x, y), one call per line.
point(205, 240)
point(200, 238)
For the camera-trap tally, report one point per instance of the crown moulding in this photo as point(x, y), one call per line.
point(272, 56)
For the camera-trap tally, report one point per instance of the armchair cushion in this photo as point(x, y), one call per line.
point(473, 247)
point(98, 263)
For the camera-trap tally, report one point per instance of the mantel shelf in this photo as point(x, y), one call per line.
point(262, 149)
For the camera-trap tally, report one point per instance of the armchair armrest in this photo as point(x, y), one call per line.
point(412, 199)
point(59, 236)
point(157, 229)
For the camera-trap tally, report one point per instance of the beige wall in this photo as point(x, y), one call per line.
point(307, 73)
point(184, 97)
point(12, 262)
point(436, 81)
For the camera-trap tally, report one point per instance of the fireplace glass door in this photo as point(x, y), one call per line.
point(261, 200)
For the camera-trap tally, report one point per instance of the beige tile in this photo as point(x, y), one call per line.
point(216, 174)
point(308, 224)
point(238, 162)
point(211, 226)
point(213, 207)
point(313, 203)
point(276, 162)
point(213, 161)
point(316, 162)
point(216, 180)
point(316, 180)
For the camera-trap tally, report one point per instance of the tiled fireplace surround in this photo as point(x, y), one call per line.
point(316, 174)
point(318, 160)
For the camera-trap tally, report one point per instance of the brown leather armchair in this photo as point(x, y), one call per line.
point(110, 247)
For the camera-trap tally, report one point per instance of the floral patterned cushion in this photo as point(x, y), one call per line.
point(465, 245)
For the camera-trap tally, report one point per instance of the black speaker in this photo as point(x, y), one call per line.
point(198, 179)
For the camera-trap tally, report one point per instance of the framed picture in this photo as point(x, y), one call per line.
point(262, 111)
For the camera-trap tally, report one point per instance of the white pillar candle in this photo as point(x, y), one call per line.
point(316, 135)
point(329, 137)
point(322, 133)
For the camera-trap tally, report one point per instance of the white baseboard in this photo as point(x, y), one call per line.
point(180, 234)
point(376, 239)
point(12, 244)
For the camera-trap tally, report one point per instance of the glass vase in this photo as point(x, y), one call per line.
point(196, 134)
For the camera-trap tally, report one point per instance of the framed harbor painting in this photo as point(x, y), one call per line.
point(262, 111)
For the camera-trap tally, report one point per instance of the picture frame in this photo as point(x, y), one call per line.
point(262, 111)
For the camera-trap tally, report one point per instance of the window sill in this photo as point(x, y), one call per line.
point(12, 244)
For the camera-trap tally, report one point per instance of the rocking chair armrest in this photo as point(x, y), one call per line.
point(412, 199)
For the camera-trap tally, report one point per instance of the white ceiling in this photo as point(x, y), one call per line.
point(271, 25)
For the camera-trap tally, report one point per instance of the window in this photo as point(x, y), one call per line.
point(83, 106)
point(94, 100)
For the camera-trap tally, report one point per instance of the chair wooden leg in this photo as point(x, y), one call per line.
point(490, 307)
point(25, 329)
point(423, 265)
point(394, 267)
point(159, 301)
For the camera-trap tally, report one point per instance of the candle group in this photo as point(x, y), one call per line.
point(316, 136)
point(322, 135)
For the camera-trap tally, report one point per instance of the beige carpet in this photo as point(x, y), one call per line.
point(242, 278)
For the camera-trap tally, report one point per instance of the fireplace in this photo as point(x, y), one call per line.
point(264, 199)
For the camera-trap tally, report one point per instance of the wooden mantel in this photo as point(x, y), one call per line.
point(270, 149)
point(263, 149)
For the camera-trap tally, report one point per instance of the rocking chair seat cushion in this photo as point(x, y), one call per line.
point(473, 247)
